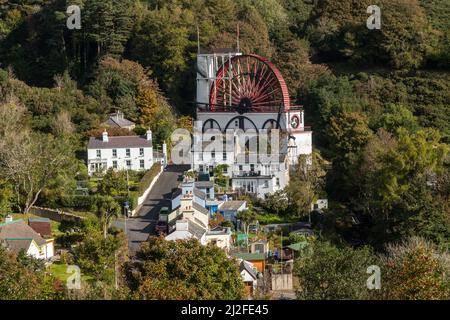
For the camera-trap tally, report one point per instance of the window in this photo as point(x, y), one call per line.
point(278, 182)
point(224, 156)
point(115, 164)
point(200, 168)
point(99, 153)
point(213, 155)
point(141, 152)
point(240, 168)
point(128, 152)
point(142, 164)
point(225, 170)
point(236, 123)
point(266, 184)
point(114, 153)
point(128, 164)
point(252, 167)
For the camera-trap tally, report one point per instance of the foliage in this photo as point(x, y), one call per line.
point(96, 255)
point(183, 270)
point(22, 282)
point(106, 208)
point(401, 181)
point(148, 178)
point(328, 272)
point(415, 270)
point(305, 184)
point(30, 161)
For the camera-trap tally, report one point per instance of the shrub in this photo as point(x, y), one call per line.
point(148, 178)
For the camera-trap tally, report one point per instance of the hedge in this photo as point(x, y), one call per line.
point(132, 199)
point(148, 178)
point(77, 201)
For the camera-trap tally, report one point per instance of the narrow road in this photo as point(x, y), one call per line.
point(139, 227)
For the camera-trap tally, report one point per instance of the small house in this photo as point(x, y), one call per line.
point(18, 236)
point(117, 120)
point(230, 209)
point(257, 259)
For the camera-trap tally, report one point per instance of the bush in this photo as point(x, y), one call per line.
point(148, 178)
point(76, 201)
point(132, 199)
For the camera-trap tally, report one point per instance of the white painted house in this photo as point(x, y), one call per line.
point(245, 96)
point(18, 236)
point(120, 153)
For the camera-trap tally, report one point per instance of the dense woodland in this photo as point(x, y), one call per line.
point(378, 102)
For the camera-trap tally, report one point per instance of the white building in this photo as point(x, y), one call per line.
point(189, 217)
point(18, 236)
point(244, 97)
point(120, 153)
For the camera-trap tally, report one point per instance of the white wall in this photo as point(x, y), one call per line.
point(223, 241)
point(135, 157)
point(49, 249)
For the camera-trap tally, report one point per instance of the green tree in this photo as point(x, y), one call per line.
point(106, 209)
point(401, 185)
point(183, 270)
point(305, 184)
point(21, 282)
point(327, 272)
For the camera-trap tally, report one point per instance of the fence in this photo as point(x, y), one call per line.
point(282, 281)
point(54, 215)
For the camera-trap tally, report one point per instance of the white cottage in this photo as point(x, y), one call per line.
point(120, 153)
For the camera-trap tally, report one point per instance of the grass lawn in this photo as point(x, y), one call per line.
point(269, 218)
point(60, 272)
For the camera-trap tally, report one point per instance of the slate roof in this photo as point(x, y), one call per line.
point(16, 245)
point(176, 193)
point(117, 120)
point(199, 193)
point(231, 205)
point(18, 229)
point(120, 123)
point(198, 207)
point(119, 142)
point(244, 265)
point(196, 230)
point(204, 184)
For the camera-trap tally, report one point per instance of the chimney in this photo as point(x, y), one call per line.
point(8, 218)
point(149, 135)
point(105, 136)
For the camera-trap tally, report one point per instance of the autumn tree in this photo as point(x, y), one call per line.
point(183, 270)
point(415, 270)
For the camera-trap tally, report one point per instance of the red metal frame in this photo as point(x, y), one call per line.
point(252, 77)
